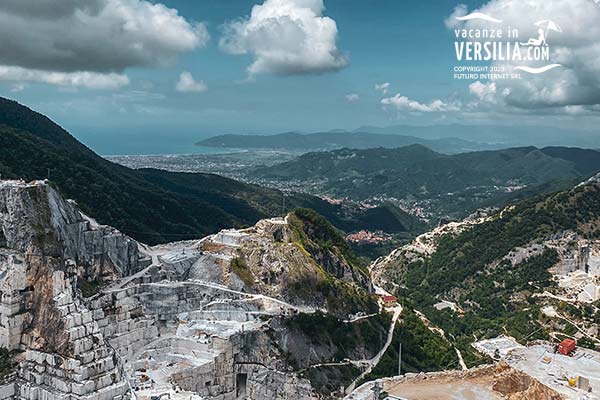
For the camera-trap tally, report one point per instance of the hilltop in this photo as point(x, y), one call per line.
point(445, 184)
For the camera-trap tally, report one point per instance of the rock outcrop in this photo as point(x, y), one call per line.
point(48, 246)
point(90, 313)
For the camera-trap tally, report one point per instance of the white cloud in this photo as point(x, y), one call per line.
point(91, 42)
point(403, 103)
point(286, 37)
point(484, 91)
point(352, 97)
point(187, 83)
point(90, 80)
point(576, 82)
point(575, 110)
point(382, 87)
point(136, 96)
point(459, 11)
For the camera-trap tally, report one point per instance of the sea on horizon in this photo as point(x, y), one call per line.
point(125, 145)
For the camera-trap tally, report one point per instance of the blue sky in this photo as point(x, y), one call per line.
point(403, 42)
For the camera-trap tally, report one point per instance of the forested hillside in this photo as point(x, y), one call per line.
point(152, 205)
point(496, 271)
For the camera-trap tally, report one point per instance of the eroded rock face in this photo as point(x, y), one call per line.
point(35, 217)
point(93, 314)
point(47, 247)
point(271, 259)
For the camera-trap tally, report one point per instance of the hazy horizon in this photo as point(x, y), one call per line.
point(223, 67)
point(137, 143)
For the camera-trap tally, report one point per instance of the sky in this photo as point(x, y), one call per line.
point(131, 76)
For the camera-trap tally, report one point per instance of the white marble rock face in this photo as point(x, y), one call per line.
point(168, 319)
point(45, 241)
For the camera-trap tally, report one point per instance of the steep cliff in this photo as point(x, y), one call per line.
point(90, 313)
point(48, 247)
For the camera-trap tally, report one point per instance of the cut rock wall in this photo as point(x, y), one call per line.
point(147, 327)
point(46, 241)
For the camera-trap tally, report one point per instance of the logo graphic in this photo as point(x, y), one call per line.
point(498, 44)
point(541, 41)
point(477, 15)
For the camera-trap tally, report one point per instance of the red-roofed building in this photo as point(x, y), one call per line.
point(389, 301)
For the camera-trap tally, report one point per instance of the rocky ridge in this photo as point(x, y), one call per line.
point(531, 271)
point(90, 313)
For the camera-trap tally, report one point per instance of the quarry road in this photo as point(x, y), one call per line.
point(336, 364)
point(461, 361)
point(582, 330)
point(128, 279)
point(375, 360)
point(273, 301)
point(360, 318)
point(307, 310)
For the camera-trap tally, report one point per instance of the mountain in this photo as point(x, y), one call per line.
point(529, 271)
point(149, 204)
point(417, 169)
point(90, 313)
point(451, 183)
point(498, 135)
point(338, 139)
point(449, 139)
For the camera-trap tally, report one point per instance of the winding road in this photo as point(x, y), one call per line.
point(375, 360)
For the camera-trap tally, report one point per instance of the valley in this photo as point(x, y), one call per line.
point(413, 181)
point(276, 274)
point(433, 185)
point(430, 186)
point(155, 205)
point(299, 200)
point(231, 315)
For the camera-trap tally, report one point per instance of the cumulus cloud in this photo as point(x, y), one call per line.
point(403, 103)
point(187, 83)
point(73, 40)
point(352, 97)
point(286, 37)
point(382, 87)
point(484, 91)
point(49, 8)
point(576, 82)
